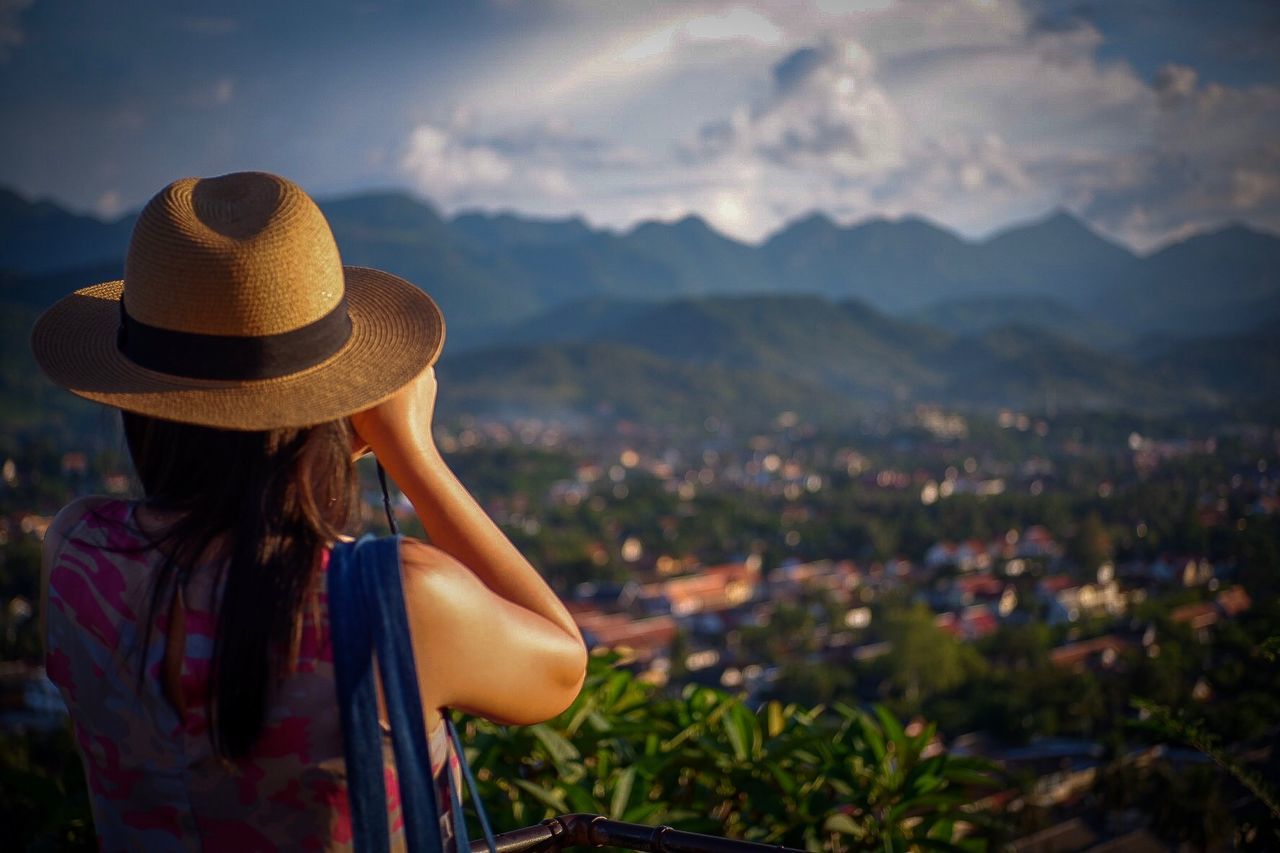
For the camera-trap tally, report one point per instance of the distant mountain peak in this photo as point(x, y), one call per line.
point(1237, 229)
point(814, 219)
point(689, 226)
point(690, 223)
point(1233, 238)
point(1060, 228)
point(1059, 219)
point(511, 216)
point(692, 220)
point(815, 225)
point(1062, 215)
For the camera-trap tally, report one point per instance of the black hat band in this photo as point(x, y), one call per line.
point(233, 357)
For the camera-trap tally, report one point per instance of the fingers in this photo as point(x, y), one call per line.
point(400, 422)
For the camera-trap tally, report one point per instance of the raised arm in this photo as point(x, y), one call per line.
point(490, 635)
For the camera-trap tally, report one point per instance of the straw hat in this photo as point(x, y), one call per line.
point(236, 312)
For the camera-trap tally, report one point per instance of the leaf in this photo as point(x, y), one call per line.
point(645, 813)
point(581, 800)
point(777, 722)
point(622, 793)
point(785, 781)
point(581, 716)
point(844, 824)
point(943, 829)
point(556, 745)
point(929, 803)
point(894, 730)
point(926, 775)
point(966, 776)
point(549, 797)
point(875, 740)
point(738, 727)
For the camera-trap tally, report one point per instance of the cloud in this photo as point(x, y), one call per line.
point(457, 168)
point(109, 204)
point(1211, 156)
point(1174, 84)
point(981, 115)
point(737, 24)
point(826, 113)
point(750, 113)
point(964, 112)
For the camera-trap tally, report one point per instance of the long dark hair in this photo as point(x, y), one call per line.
point(271, 501)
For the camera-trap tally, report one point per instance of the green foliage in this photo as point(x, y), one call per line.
point(839, 778)
point(924, 660)
point(1178, 726)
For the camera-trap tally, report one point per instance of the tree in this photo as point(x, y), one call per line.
point(923, 659)
point(1091, 546)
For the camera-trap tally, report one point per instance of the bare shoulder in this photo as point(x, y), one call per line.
point(417, 557)
point(430, 573)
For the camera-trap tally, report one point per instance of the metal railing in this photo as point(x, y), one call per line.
point(593, 830)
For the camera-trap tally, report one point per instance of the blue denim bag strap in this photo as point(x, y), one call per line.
point(352, 640)
point(367, 610)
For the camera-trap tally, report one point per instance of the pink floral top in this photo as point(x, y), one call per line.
point(155, 782)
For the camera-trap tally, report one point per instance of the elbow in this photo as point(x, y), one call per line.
point(550, 696)
point(572, 673)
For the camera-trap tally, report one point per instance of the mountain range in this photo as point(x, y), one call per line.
point(557, 312)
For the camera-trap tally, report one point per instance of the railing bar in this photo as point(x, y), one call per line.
point(525, 840)
point(587, 830)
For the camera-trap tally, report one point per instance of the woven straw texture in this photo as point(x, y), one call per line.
point(251, 256)
point(217, 256)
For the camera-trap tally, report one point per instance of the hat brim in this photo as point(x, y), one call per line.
point(397, 332)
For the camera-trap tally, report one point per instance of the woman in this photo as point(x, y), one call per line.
point(188, 631)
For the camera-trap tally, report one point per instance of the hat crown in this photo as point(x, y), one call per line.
point(245, 254)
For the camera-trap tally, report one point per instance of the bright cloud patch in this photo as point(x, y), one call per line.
point(826, 114)
point(972, 114)
point(527, 169)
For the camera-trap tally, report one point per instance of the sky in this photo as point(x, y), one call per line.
point(1149, 119)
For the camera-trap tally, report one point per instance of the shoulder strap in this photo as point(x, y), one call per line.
point(367, 611)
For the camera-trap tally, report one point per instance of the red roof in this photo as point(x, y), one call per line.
point(1039, 534)
point(650, 634)
point(984, 585)
point(980, 622)
point(1058, 583)
point(1199, 615)
point(1234, 601)
point(1075, 654)
point(949, 623)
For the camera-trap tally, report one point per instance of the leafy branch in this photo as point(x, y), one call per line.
point(1175, 726)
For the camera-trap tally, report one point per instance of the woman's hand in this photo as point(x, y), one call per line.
point(402, 424)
